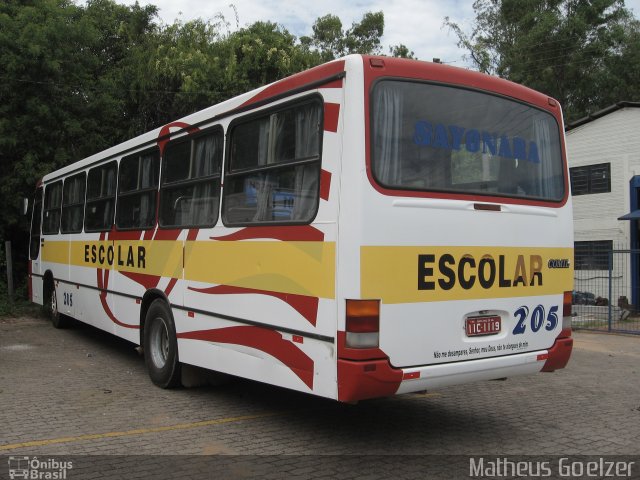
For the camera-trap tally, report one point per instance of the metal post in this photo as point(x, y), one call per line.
point(610, 287)
point(7, 247)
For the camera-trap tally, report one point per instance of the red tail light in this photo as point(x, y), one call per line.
point(567, 305)
point(363, 323)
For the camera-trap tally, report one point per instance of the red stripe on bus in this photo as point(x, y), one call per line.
point(103, 283)
point(144, 279)
point(331, 116)
point(325, 184)
point(295, 233)
point(263, 339)
point(107, 310)
point(122, 235)
point(304, 305)
point(165, 133)
point(300, 80)
point(170, 234)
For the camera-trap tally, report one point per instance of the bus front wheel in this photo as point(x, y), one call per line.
point(58, 320)
point(161, 346)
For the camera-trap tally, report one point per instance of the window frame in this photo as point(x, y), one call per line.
point(589, 169)
point(314, 98)
point(71, 205)
point(596, 251)
point(100, 199)
point(139, 191)
point(191, 139)
point(45, 210)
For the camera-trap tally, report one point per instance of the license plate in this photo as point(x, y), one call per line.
point(477, 326)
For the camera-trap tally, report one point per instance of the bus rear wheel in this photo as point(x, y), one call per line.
point(58, 320)
point(161, 346)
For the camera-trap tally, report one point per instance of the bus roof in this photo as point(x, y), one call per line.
point(319, 75)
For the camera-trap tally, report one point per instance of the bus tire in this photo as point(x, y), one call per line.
point(161, 346)
point(58, 320)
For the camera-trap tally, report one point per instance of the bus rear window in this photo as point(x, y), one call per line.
point(437, 138)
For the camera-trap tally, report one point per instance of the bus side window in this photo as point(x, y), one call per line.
point(190, 191)
point(138, 190)
point(52, 204)
point(101, 193)
point(273, 173)
point(73, 204)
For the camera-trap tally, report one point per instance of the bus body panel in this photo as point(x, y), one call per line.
point(225, 319)
point(436, 260)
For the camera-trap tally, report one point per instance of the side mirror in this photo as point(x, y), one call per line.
point(25, 206)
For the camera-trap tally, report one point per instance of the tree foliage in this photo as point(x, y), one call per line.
point(331, 41)
point(584, 53)
point(78, 78)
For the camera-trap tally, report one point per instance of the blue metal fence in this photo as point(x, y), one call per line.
point(606, 295)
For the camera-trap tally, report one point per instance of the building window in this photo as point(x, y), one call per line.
point(592, 255)
point(273, 173)
point(591, 179)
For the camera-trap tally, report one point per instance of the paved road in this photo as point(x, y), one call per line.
point(83, 392)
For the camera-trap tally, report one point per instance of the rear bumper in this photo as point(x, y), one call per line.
point(558, 355)
point(360, 380)
point(436, 376)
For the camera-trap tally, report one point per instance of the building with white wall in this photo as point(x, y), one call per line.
point(603, 150)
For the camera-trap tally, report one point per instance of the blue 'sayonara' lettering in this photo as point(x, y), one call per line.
point(454, 137)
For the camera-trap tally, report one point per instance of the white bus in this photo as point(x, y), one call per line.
point(369, 227)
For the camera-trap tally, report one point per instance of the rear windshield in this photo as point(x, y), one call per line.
point(436, 138)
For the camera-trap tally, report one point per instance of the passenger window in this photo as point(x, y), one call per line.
point(273, 174)
point(52, 203)
point(138, 190)
point(190, 192)
point(73, 204)
point(101, 195)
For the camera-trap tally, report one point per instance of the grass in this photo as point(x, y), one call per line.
point(20, 306)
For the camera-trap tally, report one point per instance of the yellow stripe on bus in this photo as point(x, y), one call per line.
point(302, 268)
point(430, 274)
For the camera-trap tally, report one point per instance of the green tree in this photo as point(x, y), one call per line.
point(401, 51)
point(62, 92)
point(262, 53)
point(79, 78)
point(331, 41)
point(573, 50)
point(173, 73)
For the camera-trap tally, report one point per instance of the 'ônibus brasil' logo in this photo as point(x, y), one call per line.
point(454, 137)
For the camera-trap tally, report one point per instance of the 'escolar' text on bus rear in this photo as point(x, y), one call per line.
point(485, 271)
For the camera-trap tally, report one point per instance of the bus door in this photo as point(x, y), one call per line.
point(35, 292)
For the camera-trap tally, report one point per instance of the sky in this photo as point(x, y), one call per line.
point(418, 24)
